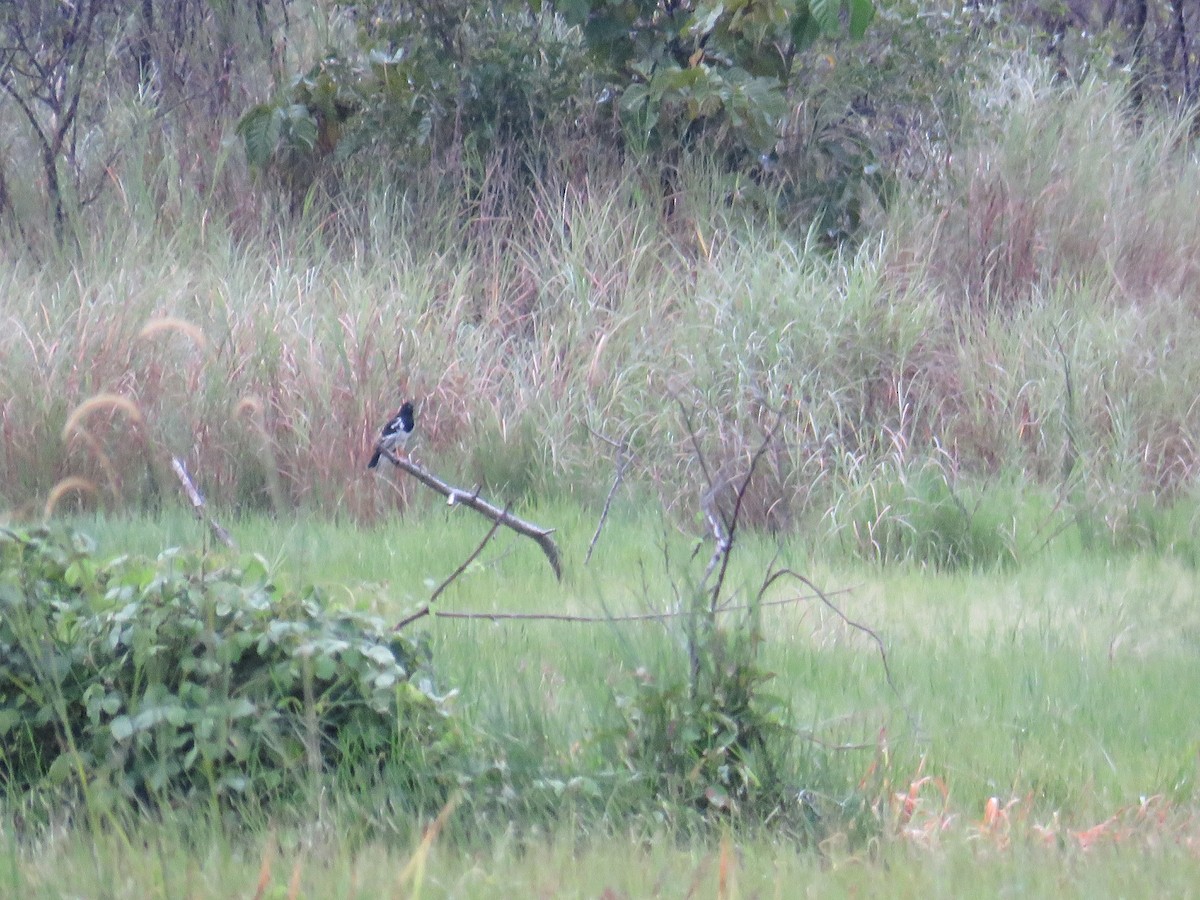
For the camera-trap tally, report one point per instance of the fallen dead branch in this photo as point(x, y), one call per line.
point(455, 496)
point(198, 504)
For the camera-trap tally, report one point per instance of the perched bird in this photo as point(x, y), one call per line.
point(395, 434)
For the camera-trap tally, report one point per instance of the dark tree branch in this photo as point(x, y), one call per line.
point(695, 441)
point(737, 506)
point(455, 496)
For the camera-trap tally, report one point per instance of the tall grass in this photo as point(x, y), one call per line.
point(1025, 312)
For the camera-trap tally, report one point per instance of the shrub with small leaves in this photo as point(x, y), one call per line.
point(160, 680)
point(715, 739)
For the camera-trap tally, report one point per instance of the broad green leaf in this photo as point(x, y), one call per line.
point(862, 13)
point(8, 719)
point(826, 13)
point(805, 28)
point(63, 767)
point(258, 135)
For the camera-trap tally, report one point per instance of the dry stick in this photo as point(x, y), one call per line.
point(737, 507)
point(542, 536)
point(721, 542)
point(604, 620)
point(623, 459)
point(823, 596)
point(197, 499)
point(425, 610)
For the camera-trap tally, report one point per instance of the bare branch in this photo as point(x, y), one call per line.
point(450, 579)
point(455, 496)
point(692, 436)
point(823, 596)
point(198, 504)
point(624, 457)
point(737, 506)
point(601, 620)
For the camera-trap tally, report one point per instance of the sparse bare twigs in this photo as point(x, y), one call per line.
point(451, 578)
point(50, 55)
point(198, 504)
point(624, 458)
point(455, 496)
point(609, 620)
point(823, 596)
point(724, 527)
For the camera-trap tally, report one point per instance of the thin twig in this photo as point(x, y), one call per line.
point(811, 737)
point(616, 445)
point(857, 626)
point(691, 430)
point(450, 579)
point(541, 536)
point(731, 528)
point(1069, 454)
point(623, 459)
point(198, 505)
point(598, 620)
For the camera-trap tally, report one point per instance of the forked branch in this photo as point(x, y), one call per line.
point(455, 496)
point(450, 579)
point(624, 457)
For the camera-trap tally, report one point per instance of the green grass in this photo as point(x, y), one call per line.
point(1064, 685)
point(627, 865)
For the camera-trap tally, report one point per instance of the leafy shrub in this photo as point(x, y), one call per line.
point(684, 68)
point(429, 77)
point(714, 739)
point(188, 676)
point(419, 80)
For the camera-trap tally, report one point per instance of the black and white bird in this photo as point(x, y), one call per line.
point(395, 434)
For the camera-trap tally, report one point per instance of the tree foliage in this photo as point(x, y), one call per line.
point(418, 79)
point(431, 75)
point(677, 64)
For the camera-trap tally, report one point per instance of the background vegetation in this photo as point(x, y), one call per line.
point(935, 287)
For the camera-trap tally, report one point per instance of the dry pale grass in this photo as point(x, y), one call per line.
point(1030, 311)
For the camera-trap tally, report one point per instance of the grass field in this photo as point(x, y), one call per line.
point(1041, 736)
point(986, 453)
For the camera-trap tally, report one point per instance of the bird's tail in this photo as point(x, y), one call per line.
point(374, 459)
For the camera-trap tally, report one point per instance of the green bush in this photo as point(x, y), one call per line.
point(185, 676)
point(715, 739)
point(420, 82)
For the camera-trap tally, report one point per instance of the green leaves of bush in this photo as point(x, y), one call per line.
point(185, 675)
point(714, 739)
point(723, 65)
point(423, 77)
point(418, 79)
